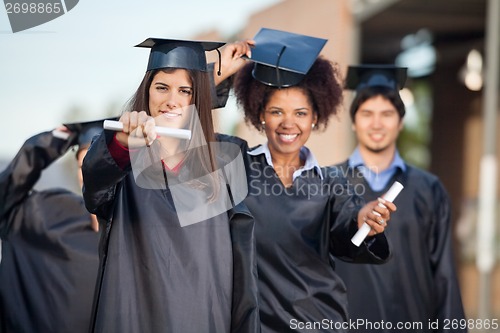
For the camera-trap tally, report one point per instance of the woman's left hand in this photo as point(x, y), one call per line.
point(376, 214)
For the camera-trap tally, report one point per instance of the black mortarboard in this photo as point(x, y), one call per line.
point(86, 131)
point(173, 53)
point(359, 77)
point(283, 58)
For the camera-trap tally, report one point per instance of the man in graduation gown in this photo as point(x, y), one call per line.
point(49, 244)
point(417, 290)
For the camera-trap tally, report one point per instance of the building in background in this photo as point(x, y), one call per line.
point(443, 43)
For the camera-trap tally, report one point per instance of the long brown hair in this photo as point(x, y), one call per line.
point(202, 99)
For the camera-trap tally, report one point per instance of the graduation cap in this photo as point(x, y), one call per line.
point(174, 53)
point(282, 59)
point(359, 77)
point(86, 131)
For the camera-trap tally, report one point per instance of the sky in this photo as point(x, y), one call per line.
point(83, 63)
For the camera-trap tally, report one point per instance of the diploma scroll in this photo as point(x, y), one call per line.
point(393, 192)
point(162, 131)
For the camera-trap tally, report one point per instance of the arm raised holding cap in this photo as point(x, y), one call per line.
point(49, 240)
point(233, 58)
point(305, 215)
point(22, 173)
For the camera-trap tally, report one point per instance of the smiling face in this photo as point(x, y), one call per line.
point(170, 94)
point(288, 117)
point(377, 125)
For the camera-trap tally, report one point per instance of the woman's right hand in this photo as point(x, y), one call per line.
point(138, 129)
point(231, 59)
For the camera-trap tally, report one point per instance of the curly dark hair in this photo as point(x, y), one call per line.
point(322, 84)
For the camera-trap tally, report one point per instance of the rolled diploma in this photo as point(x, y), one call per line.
point(365, 228)
point(179, 133)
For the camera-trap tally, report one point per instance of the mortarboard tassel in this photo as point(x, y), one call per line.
point(278, 65)
point(220, 62)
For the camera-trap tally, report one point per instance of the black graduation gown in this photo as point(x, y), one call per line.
point(156, 276)
point(49, 251)
point(298, 230)
point(419, 284)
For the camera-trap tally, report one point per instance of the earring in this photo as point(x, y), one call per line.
point(263, 123)
point(313, 125)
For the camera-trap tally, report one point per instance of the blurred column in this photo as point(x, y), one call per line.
point(485, 259)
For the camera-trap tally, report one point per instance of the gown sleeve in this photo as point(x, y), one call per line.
point(101, 176)
point(19, 177)
point(245, 311)
point(344, 208)
point(448, 302)
point(220, 93)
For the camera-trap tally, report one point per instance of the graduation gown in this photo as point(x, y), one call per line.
point(49, 250)
point(157, 276)
point(419, 284)
point(299, 231)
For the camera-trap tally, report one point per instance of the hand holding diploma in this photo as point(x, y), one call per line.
point(375, 214)
point(114, 125)
point(138, 129)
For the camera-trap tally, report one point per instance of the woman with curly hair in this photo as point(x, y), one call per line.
point(305, 215)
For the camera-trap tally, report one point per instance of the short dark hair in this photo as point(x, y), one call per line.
point(369, 92)
point(322, 85)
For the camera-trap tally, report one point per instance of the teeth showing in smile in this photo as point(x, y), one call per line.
point(171, 114)
point(377, 136)
point(288, 137)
